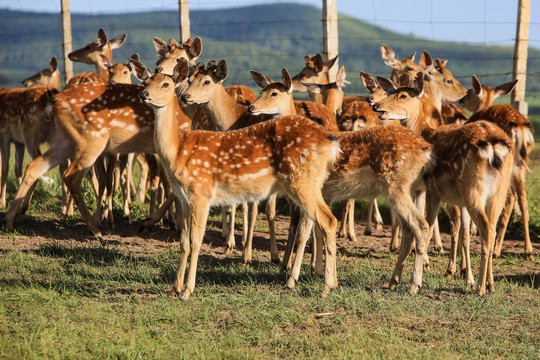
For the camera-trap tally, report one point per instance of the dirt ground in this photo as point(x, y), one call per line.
point(33, 231)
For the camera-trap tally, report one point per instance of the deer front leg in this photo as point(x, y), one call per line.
point(377, 215)
point(455, 230)
point(394, 240)
point(291, 238)
point(271, 217)
point(252, 218)
point(343, 229)
point(5, 150)
point(184, 252)
point(199, 215)
point(230, 240)
point(350, 221)
point(303, 229)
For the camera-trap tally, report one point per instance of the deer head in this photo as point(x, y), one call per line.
point(481, 96)
point(119, 73)
point(170, 54)
point(377, 92)
point(276, 96)
point(441, 79)
point(399, 67)
point(89, 53)
point(49, 77)
point(160, 89)
point(206, 83)
point(314, 72)
point(332, 93)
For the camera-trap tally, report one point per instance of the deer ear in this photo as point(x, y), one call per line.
point(140, 70)
point(403, 80)
point(135, 57)
point(118, 41)
point(286, 78)
point(329, 63)
point(506, 88)
point(221, 70)
point(426, 61)
point(318, 62)
point(53, 64)
point(102, 37)
point(477, 86)
point(387, 84)
point(441, 63)
point(175, 43)
point(369, 82)
point(261, 80)
point(411, 58)
point(419, 84)
point(388, 56)
point(104, 62)
point(341, 76)
point(313, 88)
point(161, 46)
point(195, 49)
point(181, 71)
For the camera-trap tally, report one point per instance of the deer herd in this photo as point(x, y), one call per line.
point(201, 144)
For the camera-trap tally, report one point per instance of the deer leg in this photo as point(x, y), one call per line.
point(305, 224)
point(160, 212)
point(126, 163)
point(369, 221)
point(465, 240)
point(19, 157)
point(292, 237)
point(454, 214)
point(145, 169)
point(224, 222)
point(343, 229)
point(394, 241)
point(230, 240)
point(271, 217)
point(67, 200)
point(184, 251)
point(519, 187)
point(483, 225)
point(350, 220)
point(377, 215)
point(199, 215)
point(503, 222)
point(252, 213)
point(245, 217)
point(5, 148)
point(34, 170)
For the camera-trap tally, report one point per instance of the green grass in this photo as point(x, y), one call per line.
point(95, 302)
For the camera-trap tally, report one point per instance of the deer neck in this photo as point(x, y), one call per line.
point(417, 120)
point(431, 94)
point(224, 110)
point(333, 100)
point(103, 73)
point(168, 136)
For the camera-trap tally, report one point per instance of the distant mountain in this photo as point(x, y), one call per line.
point(265, 38)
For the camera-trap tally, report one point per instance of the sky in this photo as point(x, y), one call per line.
point(485, 22)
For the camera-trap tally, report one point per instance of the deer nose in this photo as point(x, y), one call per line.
point(376, 106)
point(251, 108)
point(185, 98)
point(143, 95)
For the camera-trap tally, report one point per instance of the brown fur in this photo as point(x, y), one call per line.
point(49, 77)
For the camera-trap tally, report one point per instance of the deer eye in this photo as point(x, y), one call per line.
point(410, 68)
point(403, 96)
point(87, 47)
point(207, 82)
point(274, 94)
point(450, 82)
point(165, 85)
point(125, 71)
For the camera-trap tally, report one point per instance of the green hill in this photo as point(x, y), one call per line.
point(265, 38)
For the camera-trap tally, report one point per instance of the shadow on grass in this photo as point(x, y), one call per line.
point(529, 280)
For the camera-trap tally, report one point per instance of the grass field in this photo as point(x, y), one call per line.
point(65, 295)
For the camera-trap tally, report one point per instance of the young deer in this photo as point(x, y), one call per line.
point(374, 161)
point(291, 154)
point(479, 100)
point(90, 119)
point(315, 71)
point(118, 73)
point(48, 77)
point(399, 67)
point(169, 55)
point(25, 120)
point(473, 169)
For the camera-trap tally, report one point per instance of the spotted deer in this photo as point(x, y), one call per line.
point(48, 77)
point(118, 73)
point(315, 71)
point(25, 120)
point(207, 89)
point(90, 119)
point(374, 161)
point(472, 170)
point(292, 154)
point(399, 67)
point(479, 100)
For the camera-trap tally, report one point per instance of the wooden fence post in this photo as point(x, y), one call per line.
point(520, 56)
point(67, 45)
point(330, 35)
point(183, 12)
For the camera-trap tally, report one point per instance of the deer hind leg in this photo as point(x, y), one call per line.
point(377, 215)
point(271, 217)
point(143, 180)
point(252, 219)
point(67, 199)
point(394, 240)
point(19, 157)
point(519, 186)
point(230, 241)
point(465, 241)
point(5, 148)
point(414, 225)
point(486, 232)
point(34, 170)
point(199, 216)
point(126, 166)
point(343, 229)
point(292, 237)
point(503, 222)
point(454, 214)
point(351, 233)
point(369, 221)
point(303, 231)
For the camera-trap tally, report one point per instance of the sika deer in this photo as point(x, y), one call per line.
point(315, 71)
point(90, 119)
point(374, 161)
point(292, 154)
point(473, 169)
point(48, 77)
point(479, 100)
